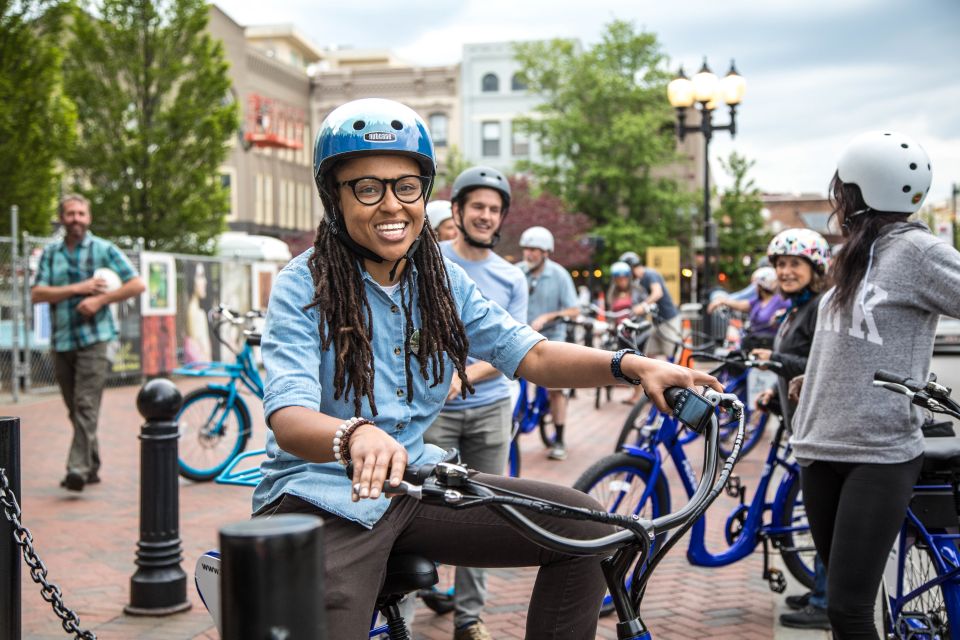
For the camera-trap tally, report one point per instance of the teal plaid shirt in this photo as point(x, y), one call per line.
point(60, 267)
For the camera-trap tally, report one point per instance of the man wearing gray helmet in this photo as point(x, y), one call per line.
point(479, 425)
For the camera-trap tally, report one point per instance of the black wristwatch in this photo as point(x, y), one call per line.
point(615, 365)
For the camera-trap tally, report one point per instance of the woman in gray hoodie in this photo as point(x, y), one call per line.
point(860, 447)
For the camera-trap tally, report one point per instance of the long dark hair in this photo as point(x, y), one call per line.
point(849, 264)
point(346, 319)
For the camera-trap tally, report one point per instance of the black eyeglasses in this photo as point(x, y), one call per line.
point(370, 190)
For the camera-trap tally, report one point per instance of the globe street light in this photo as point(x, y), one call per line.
point(704, 92)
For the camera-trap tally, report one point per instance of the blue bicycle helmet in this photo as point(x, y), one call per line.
point(372, 125)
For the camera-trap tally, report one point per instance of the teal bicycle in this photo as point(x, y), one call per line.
point(215, 422)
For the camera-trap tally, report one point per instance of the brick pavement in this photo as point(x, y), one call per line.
point(88, 540)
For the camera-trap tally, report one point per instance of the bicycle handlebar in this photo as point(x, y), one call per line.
point(932, 396)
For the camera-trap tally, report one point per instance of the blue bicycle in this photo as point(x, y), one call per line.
point(921, 582)
point(633, 482)
point(215, 423)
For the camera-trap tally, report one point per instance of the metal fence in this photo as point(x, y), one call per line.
point(166, 326)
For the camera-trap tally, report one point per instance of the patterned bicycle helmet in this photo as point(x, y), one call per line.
point(804, 243)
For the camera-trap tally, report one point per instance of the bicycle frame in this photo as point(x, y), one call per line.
point(754, 528)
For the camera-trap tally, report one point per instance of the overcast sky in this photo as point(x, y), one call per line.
point(818, 71)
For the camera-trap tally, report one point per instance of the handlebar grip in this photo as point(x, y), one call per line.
point(886, 376)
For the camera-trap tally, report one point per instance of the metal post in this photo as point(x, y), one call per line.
point(955, 189)
point(709, 233)
point(271, 578)
point(9, 551)
point(17, 311)
point(159, 585)
point(27, 318)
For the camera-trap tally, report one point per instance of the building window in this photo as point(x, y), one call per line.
point(490, 133)
point(517, 83)
point(490, 83)
point(438, 129)
point(520, 142)
point(228, 178)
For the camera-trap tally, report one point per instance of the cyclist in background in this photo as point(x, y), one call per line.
point(479, 425)
point(440, 214)
point(363, 334)
point(801, 258)
point(552, 298)
point(764, 307)
point(624, 293)
point(860, 447)
point(657, 294)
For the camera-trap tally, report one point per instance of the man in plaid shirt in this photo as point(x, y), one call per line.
point(82, 326)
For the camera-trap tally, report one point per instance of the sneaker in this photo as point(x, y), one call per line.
point(475, 631)
point(798, 602)
point(558, 452)
point(73, 482)
point(808, 618)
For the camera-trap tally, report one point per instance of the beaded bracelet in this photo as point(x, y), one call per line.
point(341, 439)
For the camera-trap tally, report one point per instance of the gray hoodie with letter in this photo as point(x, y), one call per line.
point(913, 278)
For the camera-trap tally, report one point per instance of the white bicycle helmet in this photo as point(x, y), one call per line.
point(619, 268)
point(804, 243)
point(630, 257)
point(439, 211)
point(537, 238)
point(765, 278)
point(892, 171)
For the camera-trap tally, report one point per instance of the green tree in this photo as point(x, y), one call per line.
point(740, 229)
point(604, 128)
point(151, 90)
point(36, 118)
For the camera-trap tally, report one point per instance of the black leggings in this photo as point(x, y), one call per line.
point(855, 512)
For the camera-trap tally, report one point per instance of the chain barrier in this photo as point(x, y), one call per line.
point(38, 571)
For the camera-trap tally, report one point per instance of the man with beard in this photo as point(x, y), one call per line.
point(552, 298)
point(479, 425)
point(82, 326)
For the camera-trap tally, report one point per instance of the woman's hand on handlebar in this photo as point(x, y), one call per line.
point(374, 454)
point(656, 375)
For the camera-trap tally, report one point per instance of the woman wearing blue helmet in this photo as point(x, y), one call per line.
point(363, 334)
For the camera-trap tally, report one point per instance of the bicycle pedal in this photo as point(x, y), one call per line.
point(776, 580)
point(734, 487)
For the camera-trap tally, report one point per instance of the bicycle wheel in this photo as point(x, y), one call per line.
point(513, 457)
point(753, 429)
point(796, 547)
point(618, 482)
point(211, 433)
point(638, 417)
point(924, 616)
point(548, 433)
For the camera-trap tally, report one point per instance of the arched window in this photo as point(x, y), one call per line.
point(518, 83)
point(490, 83)
point(438, 128)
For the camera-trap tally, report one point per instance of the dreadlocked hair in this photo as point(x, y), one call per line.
point(346, 319)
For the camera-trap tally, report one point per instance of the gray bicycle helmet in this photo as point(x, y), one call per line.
point(476, 177)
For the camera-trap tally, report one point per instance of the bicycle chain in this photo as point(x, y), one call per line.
point(50, 592)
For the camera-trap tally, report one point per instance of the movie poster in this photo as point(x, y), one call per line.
point(199, 294)
point(160, 296)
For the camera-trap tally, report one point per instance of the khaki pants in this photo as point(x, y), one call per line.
point(82, 374)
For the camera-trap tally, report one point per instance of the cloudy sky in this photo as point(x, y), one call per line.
point(818, 71)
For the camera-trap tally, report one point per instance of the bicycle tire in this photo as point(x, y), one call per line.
point(513, 458)
point(548, 433)
point(608, 476)
point(636, 419)
point(202, 456)
point(796, 549)
point(753, 428)
point(919, 567)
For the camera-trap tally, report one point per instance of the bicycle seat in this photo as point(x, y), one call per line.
point(406, 573)
point(941, 454)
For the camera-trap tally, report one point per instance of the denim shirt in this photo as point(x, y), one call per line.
point(300, 374)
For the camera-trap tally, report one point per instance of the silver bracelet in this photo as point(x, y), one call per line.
point(341, 439)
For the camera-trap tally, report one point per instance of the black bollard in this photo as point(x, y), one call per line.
point(159, 585)
point(271, 578)
point(9, 551)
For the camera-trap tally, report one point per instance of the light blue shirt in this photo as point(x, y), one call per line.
point(504, 284)
point(300, 374)
point(550, 290)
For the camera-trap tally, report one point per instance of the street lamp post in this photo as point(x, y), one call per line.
point(706, 91)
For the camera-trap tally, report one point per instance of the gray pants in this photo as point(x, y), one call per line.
point(82, 374)
point(482, 435)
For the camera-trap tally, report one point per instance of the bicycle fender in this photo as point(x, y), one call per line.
point(639, 452)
